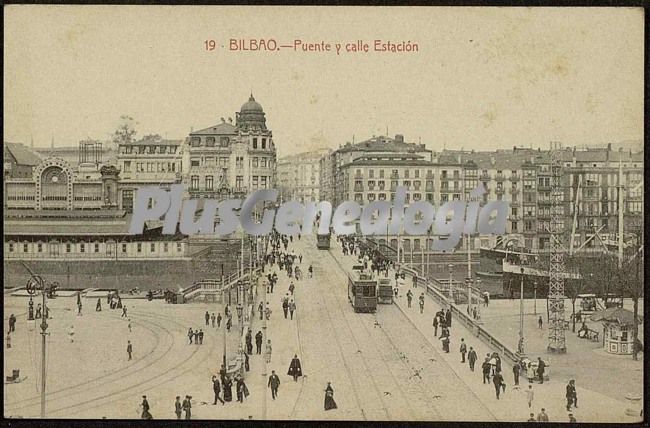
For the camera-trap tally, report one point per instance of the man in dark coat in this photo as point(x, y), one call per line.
point(216, 387)
point(274, 384)
point(497, 379)
point(571, 395)
point(487, 367)
point(187, 406)
point(540, 369)
point(129, 349)
point(258, 342)
point(435, 326)
point(463, 350)
point(178, 407)
point(249, 342)
point(471, 358)
point(295, 369)
point(448, 318)
point(515, 372)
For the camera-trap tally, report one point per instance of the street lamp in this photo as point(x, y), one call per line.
point(535, 297)
point(478, 306)
point(451, 282)
point(521, 316)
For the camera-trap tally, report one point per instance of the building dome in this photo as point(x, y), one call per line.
point(251, 106)
point(251, 117)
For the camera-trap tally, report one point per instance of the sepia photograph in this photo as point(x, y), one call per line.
point(349, 213)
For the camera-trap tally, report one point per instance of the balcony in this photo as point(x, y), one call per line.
point(484, 176)
point(515, 177)
point(500, 191)
point(358, 188)
point(500, 177)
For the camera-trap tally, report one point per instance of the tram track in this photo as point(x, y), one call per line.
point(118, 377)
point(396, 379)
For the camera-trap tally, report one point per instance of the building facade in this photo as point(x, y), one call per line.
point(299, 176)
point(229, 158)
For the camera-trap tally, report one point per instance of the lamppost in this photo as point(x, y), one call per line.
point(520, 350)
point(469, 295)
point(451, 282)
point(535, 297)
point(478, 306)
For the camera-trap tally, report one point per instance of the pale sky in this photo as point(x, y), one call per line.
point(482, 79)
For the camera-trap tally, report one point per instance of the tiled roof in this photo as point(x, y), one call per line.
point(383, 144)
point(23, 154)
point(220, 129)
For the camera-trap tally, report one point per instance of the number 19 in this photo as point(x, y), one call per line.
point(210, 45)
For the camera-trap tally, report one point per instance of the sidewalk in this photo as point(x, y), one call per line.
point(512, 406)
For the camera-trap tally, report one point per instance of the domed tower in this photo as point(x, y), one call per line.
point(251, 116)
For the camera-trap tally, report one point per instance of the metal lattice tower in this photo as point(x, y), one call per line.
point(556, 340)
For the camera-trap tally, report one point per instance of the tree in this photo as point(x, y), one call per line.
point(580, 267)
point(125, 132)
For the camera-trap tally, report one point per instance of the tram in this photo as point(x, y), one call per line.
point(323, 241)
point(385, 291)
point(362, 290)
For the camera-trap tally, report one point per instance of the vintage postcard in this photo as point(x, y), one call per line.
point(323, 213)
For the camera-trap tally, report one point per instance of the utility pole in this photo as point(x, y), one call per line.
point(223, 299)
point(264, 368)
point(520, 351)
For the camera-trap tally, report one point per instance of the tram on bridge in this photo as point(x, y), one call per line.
point(323, 241)
point(362, 290)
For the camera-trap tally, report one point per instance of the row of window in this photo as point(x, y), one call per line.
point(150, 150)
point(92, 247)
point(151, 166)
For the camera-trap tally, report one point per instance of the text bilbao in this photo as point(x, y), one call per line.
point(291, 218)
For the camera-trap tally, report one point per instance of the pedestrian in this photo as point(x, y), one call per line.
point(249, 342)
point(435, 326)
point(497, 380)
point(292, 308)
point(129, 349)
point(123, 312)
point(542, 416)
point(12, 323)
point(448, 319)
point(8, 341)
point(201, 337)
point(187, 406)
point(421, 303)
point(571, 418)
point(196, 336)
point(515, 372)
point(207, 318)
point(213, 318)
point(219, 320)
point(178, 407)
point(269, 349)
point(274, 384)
point(530, 372)
point(463, 350)
point(295, 368)
point(227, 389)
point(571, 395)
point(229, 323)
point(260, 309)
point(532, 418)
point(190, 335)
point(258, 342)
point(445, 343)
point(540, 369)
point(311, 271)
point(247, 366)
point(145, 408)
point(98, 307)
point(409, 297)
point(487, 367)
point(285, 306)
point(71, 334)
point(329, 397)
point(530, 396)
point(540, 322)
point(39, 310)
point(242, 389)
point(471, 358)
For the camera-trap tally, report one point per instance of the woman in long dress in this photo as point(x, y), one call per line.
point(329, 397)
point(295, 369)
point(227, 389)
